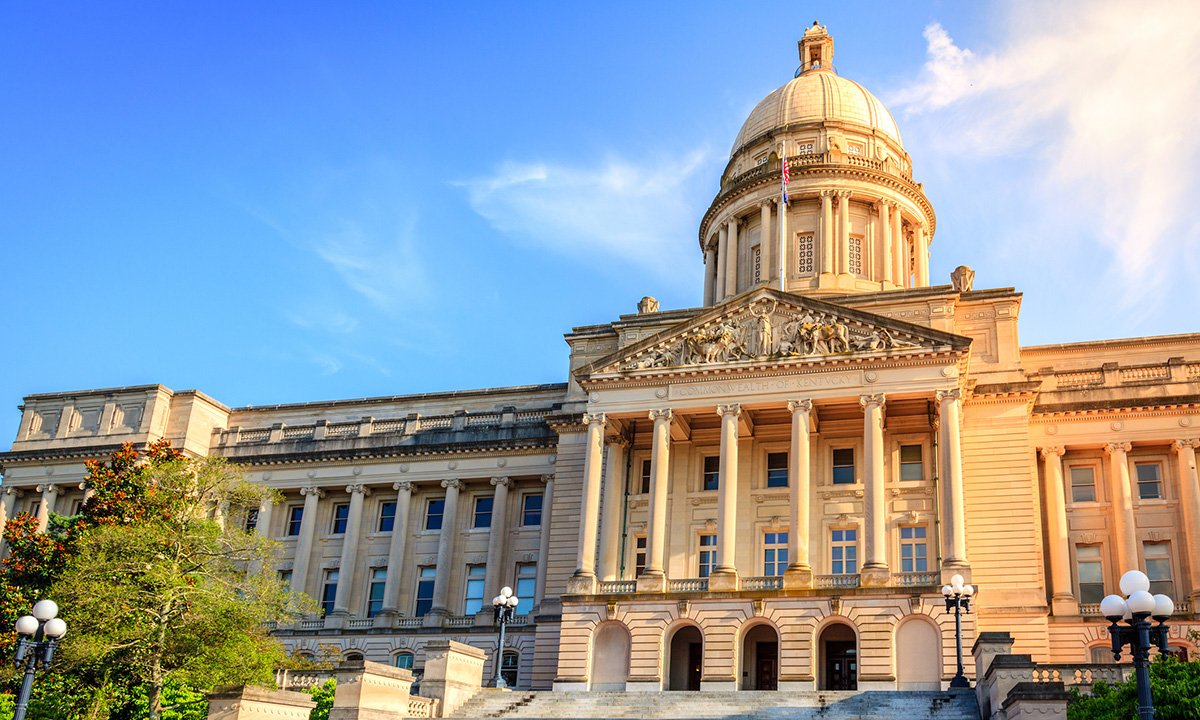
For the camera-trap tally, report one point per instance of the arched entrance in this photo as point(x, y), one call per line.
point(918, 655)
point(610, 657)
point(760, 658)
point(837, 666)
point(685, 658)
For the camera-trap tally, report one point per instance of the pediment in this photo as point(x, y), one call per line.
point(769, 326)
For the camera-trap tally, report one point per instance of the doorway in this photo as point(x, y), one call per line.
point(839, 658)
point(685, 659)
point(760, 658)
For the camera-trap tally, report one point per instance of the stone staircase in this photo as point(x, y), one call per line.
point(749, 705)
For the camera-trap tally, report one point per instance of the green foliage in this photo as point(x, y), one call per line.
point(323, 694)
point(1174, 685)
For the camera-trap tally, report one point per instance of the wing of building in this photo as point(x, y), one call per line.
point(767, 491)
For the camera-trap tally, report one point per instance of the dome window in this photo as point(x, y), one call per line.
point(856, 149)
point(804, 255)
point(856, 256)
point(760, 160)
point(807, 148)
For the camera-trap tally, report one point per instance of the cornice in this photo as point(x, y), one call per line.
point(1145, 342)
point(527, 447)
point(1058, 413)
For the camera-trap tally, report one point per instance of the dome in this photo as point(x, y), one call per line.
point(813, 97)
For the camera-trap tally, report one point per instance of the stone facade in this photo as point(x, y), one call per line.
point(766, 491)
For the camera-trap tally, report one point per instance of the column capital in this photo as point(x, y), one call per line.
point(357, 488)
point(657, 415)
point(593, 419)
point(505, 481)
point(452, 483)
point(1183, 444)
point(312, 490)
point(50, 489)
point(795, 406)
point(867, 401)
point(405, 486)
point(884, 203)
point(733, 409)
point(766, 203)
point(548, 477)
point(617, 440)
point(1113, 448)
point(16, 492)
point(845, 194)
point(1053, 450)
point(827, 193)
point(944, 396)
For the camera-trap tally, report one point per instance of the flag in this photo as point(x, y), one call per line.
point(786, 173)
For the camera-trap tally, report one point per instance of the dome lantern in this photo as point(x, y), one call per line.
point(816, 49)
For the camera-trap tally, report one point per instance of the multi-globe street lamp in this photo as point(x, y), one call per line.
point(1140, 636)
point(37, 634)
point(958, 599)
point(505, 606)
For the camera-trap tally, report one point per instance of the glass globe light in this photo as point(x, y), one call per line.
point(1163, 607)
point(512, 601)
point(1113, 607)
point(957, 580)
point(55, 628)
point(947, 590)
point(1140, 601)
point(957, 588)
point(498, 600)
point(45, 609)
point(1134, 581)
point(506, 591)
point(968, 590)
point(26, 625)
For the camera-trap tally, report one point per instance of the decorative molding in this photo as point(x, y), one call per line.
point(358, 488)
point(505, 481)
point(455, 483)
point(593, 419)
point(657, 415)
point(1058, 451)
point(405, 486)
point(1114, 447)
point(944, 396)
point(312, 490)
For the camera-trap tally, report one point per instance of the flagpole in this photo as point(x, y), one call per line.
point(783, 258)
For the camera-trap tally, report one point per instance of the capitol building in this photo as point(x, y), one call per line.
point(766, 491)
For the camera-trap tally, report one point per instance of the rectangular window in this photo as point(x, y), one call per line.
point(856, 256)
point(854, 149)
point(295, 515)
point(1083, 484)
point(341, 514)
point(433, 514)
point(914, 553)
point(1149, 481)
point(329, 591)
point(531, 510)
point(761, 160)
point(777, 469)
point(1091, 573)
point(775, 553)
point(844, 552)
point(639, 557)
point(757, 266)
point(912, 464)
point(712, 473)
point(285, 577)
point(387, 516)
point(425, 581)
point(804, 254)
point(473, 602)
point(708, 554)
point(805, 149)
point(509, 667)
point(375, 591)
point(526, 587)
point(483, 512)
point(1158, 568)
point(843, 466)
point(251, 519)
point(645, 476)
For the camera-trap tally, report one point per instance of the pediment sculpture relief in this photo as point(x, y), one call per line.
point(764, 330)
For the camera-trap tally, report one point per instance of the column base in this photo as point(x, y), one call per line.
point(435, 618)
point(718, 683)
point(652, 582)
point(724, 580)
point(337, 620)
point(798, 577)
point(385, 618)
point(950, 569)
point(1064, 605)
point(485, 618)
point(877, 576)
point(581, 584)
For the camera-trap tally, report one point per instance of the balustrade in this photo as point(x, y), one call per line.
point(688, 585)
point(1081, 675)
point(617, 587)
point(836, 581)
point(762, 583)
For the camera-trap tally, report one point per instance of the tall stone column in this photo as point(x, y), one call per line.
point(825, 221)
point(439, 608)
point(724, 575)
point(954, 532)
point(614, 501)
point(1062, 598)
point(875, 569)
point(497, 534)
point(266, 510)
point(906, 260)
point(8, 501)
point(1122, 495)
point(396, 548)
point(1189, 483)
point(654, 578)
point(544, 540)
point(350, 543)
point(898, 267)
point(786, 253)
point(731, 269)
point(584, 580)
point(885, 239)
point(722, 253)
point(921, 247)
point(50, 493)
point(844, 230)
point(799, 572)
point(710, 275)
point(304, 541)
point(766, 242)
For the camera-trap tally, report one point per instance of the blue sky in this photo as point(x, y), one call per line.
point(282, 202)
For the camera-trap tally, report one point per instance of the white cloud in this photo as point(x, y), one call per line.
point(328, 320)
point(636, 211)
point(381, 264)
point(1103, 98)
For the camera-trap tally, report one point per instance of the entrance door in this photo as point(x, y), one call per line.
point(841, 665)
point(695, 662)
point(768, 666)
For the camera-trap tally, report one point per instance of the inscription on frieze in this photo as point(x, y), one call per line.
point(762, 386)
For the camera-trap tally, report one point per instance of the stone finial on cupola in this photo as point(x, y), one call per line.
point(816, 49)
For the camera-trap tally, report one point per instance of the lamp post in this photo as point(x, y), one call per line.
point(505, 606)
point(1134, 609)
point(958, 599)
point(37, 634)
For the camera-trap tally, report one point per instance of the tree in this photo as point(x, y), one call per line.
point(157, 590)
point(323, 694)
point(1174, 685)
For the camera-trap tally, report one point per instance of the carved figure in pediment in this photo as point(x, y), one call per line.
point(881, 339)
point(712, 347)
point(758, 337)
